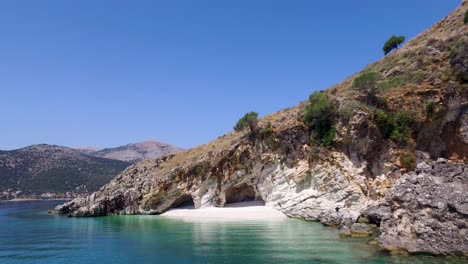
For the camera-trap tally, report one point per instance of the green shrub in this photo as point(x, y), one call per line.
point(243, 166)
point(392, 43)
point(319, 117)
point(366, 82)
point(430, 108)
point(407, 160)
point(266, 130)
point(248, 120)
point(459, 60)
point(395, 126)
point(266, 133)
point(385, 122)
point(402, 131)
point(465, 20)
point(272, 143)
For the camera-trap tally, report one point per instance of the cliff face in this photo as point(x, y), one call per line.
point(361, 171)
point(281, 173)
point(429, 210)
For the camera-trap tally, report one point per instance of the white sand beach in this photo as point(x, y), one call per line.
point(245, 211)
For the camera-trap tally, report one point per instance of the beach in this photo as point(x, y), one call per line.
point(254, 210)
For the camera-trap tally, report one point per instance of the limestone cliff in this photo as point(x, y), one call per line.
point(282, 166)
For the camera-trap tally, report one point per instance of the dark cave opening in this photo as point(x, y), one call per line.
point(241, 193)
point(184, 202)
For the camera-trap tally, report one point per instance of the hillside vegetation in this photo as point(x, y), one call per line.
point(56, 170)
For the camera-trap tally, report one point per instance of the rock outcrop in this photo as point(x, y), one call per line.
point(429, 211)
point(328, 189)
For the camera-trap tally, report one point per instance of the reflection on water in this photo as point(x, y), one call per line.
point(29, 235)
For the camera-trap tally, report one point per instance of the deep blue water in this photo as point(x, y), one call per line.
point(28, 234)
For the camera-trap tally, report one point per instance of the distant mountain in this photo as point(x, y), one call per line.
point(136, 152)
point(86, 150)
point(51, 170)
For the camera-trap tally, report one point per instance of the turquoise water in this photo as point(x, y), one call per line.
point(28, 234)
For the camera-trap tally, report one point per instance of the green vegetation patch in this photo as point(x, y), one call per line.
point(392, 43)
point(248, 120)
point(459, 60)
point(319, 116)
point(408, 160)
point(395, 126)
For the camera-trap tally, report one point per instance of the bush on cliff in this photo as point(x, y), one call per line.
point(248, 120)
point(395, 126)
point(458, 60)
point(319, 116)
point(392, 43)
point(366, 83)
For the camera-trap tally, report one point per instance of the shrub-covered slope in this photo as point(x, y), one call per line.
point(41, 169)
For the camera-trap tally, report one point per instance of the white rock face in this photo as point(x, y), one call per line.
point(330, 191)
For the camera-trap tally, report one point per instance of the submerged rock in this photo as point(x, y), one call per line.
point(361, 230)
point(356, 230)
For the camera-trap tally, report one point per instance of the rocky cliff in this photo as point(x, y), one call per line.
point(417, 112)
point(428, 210)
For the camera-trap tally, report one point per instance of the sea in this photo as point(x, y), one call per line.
point(29, 234)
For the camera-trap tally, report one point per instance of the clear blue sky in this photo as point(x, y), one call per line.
point(106, 73)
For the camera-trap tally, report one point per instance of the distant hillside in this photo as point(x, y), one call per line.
point(40, 169)
point(136, 152)
point(86, 150)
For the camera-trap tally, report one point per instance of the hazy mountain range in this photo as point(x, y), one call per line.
point(133, 152)
point(50, 171)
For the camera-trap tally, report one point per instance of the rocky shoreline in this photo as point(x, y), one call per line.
point(425, 212)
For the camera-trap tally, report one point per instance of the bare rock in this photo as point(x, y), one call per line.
point(429, 211)
point(361, 230)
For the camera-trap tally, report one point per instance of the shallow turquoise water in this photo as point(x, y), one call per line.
point(28, 234)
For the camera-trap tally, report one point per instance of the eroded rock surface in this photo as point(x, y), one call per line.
point(429, 211)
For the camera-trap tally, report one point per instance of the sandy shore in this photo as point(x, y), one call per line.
point(245, 211)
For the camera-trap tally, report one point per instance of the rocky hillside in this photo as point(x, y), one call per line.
point(86, 150)
point(136, 152)
point(48, 171)
point(345, 155)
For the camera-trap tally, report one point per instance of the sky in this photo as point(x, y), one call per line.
point(108, 73)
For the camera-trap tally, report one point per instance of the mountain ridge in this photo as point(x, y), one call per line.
point(52, 171)
point(138, 151)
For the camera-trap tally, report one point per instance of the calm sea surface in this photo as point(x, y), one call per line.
point(28, 234)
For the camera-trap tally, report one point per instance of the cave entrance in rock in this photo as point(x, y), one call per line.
point(184, 202)
point(242, 194)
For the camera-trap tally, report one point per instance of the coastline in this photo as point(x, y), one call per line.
point(36, 199)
